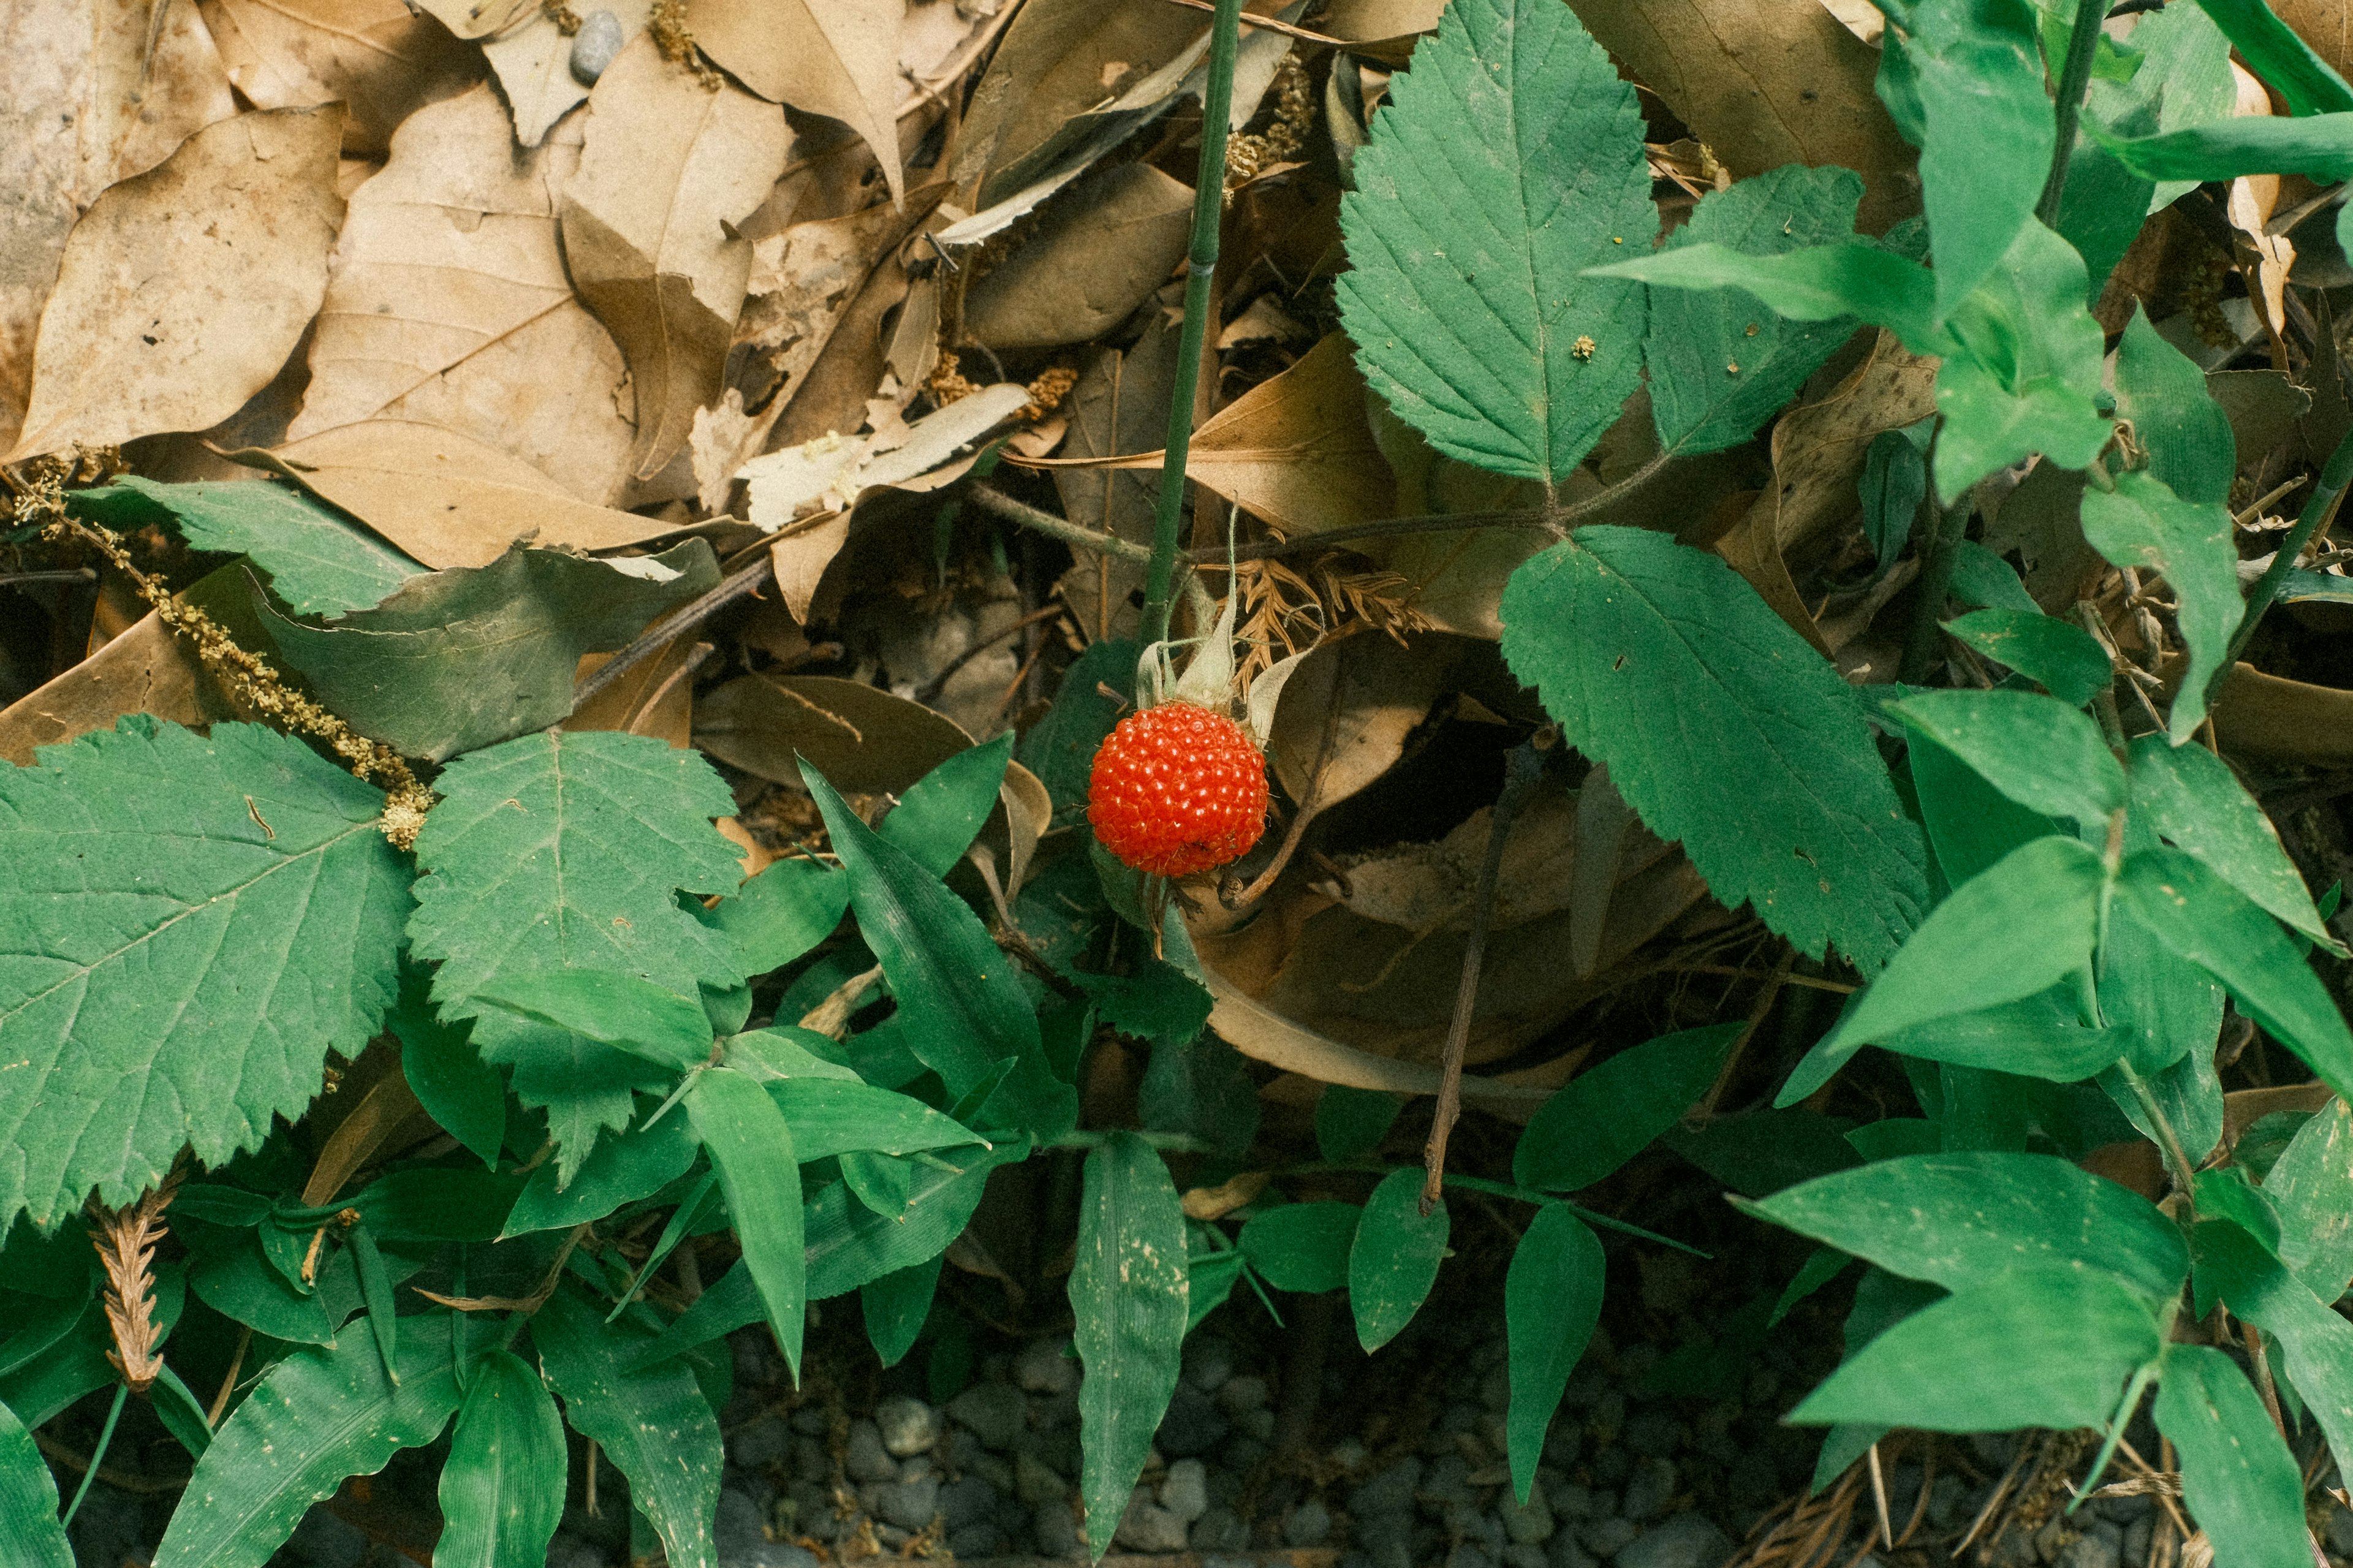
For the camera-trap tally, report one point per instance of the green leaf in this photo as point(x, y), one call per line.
point(1971, 824)
point(376, 1289)
point(1351, 1122)
point(624, 1167)
point(2060, 657)
point(462, 660)
point(1719, 367)
point(1210, 1277)
point(895, 1307)
point(1129, 1288)
point(881, 1182)
point(462, 1092)
point(964, 1001)
point(787, 1050)
point(2319, 146)
point(566, 851)
point(2042, 1036)
point(941, 813)
point(1061, 747)
point(1302, 1246)
point(2190, 797)
point(1853, 279)
point(1760, 1152)
point(2033, 1348)
point(1981, 577)
point(1552, 1298)
point(652, 1420)
point(1203, 1087)
point(29, 1498)
point(1606, 1115)
point(181, 1412)
point(2040, 750)
point(1768, 775)
point(2142, 524)
point(1895, 483)
point(611, 1008)
point(1987, 137)
point(2276, 52)
point(2237, 1475)
point(2316, 1345)
point(236, 1281)
point(2209, 923)
point(750, 1147)
point(2311, 1186)
point(1158, 1001)
point(175, 971)
point(830, 1117)
point(1956, 1219)
point(1393, 1260)
point(2005, 934)
point(783, 911)
point(432, 1203)
point(1505, 163)
point(319, 563)
point(502, 1485)
point(2028, 372)
point(318, 1416)
point(2175, 419)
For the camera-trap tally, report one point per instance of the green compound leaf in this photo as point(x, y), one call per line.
point(502, 1485)
point(651, 1418)
point(612, 1009)
point(1766, 774)
point(2039, 751)
point(2062, 658)
point(319, 562)
point(1720, 367)
point(750, 1147)
point(1506, 162)
point(1303, 1246)
point(1604, 1117)
point(1129, 1288)
point(190, 924)
point(319, 1417)
point(2029, 366)
point(29, 1498)
point(1393, 1260)
point(1552, 1298)
point(2237, 1475)
point(624, 1167)
point(2190, 797)
point(2143, 523)
point(566, 851)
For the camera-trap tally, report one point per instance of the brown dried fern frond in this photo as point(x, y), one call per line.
point(126, 1239)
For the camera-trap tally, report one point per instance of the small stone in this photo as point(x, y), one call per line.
point(1057, 1531)
point(810, 1421)
point(1043, 1368)
point(916, 1469)
point(908, 1426)
point(2140, 1534)
point(981, 1540)
point(1309, 1524)
point(1469, 1556)
point(910, 1505)
point(1392, 1552)
point(1208, 1363)
point(1608, 1537)
point(868, 1459)
point(1571, 1502)
point(994, 1412)
point(2340, 1530)
point(2090, 1550)
point(1519, 1555)
point(1447, 1481)
point(322, 1537)
point(1258, 1424)
point(1389, 1491)
point(1035, 1483)
point(1244, 1392)
point(809, 1461)
point(764, 1442)
point(571, 1551)
point(1562, 1552)
point(1495, 1390)
point(1686, 1541)
point(1243, 1454)
point(1148, 1527)
point(594, 46)
point(1186, 1492)
point(1649, 1489)
point(739, 1529)
point(1220, 1530)
point(772, 1555)
point(966, 1502)
point(1654, 1433)
point(1528, 1524)
point(1193, 1424)
point(1563, 1443)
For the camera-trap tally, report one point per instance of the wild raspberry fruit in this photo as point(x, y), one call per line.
point(1177, 789)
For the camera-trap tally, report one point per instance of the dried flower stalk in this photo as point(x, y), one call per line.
point(126, 1239)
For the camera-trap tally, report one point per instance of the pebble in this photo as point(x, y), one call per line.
point(910, 1426)
point(910, 1505)
point(1309, 1525)
point(1193, 1424)
point(868, 1459)
point(1389, 1491)
point(1469, 1556)
point(811, 1421)
point(982, 1540)
point(1649, 1489)
point(322, 1537)
point(1392, 1552)
point(594, 46)
point(967, 1502)
point(1208, 1363)
point(1608, 1536)
point(2339, 1530)
point(1186, 1492)
point(1220, 1530)
point(1239, 1395)
point(1654, 1433)
point(571, 1551)
point(1562, 1552)
point(1036, 1483)
point(1530, 1523)
point(1447, 1481)
point(1148, 1527)
point(1058, 1532)
point(764, 1442)
point(993, 1411)
point(1043, 1368)
point(1686, 1541)
point(1520, 1555)
point(2141, 1532)
point(2091, 1551)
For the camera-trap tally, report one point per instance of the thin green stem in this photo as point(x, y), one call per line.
point(98, 1455)
point(2074, 80)
point(2133, 1390)
point(1927, 630)
point(1201, 261)
point(1501, 1190)
point(2318, 509)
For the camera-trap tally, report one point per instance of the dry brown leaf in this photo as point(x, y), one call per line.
point(1379, 21)
point(655, 697)
point(83, 63)
point(667, 169)
point(801, 556)
point(2326, 25)
point(1028, 813)
point(833, 394)
point(1120, 405)
point(446, 500)
point(835, 58)
point(147, 669)
point(182, 291)
point(833, 472)
point(375, 57)
point(1296, 449)
point(1818, 447)
point(1348, 708)
point(2040, 523)
point(531, 55)
point(865, 739)
point(1060, 59)
point(2283, 720)
point(126, 1239)
point(1094, 255)
point(1764, 83)
point(1754, 553)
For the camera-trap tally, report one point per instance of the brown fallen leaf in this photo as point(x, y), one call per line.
point(1764, 83)
point(863, 739)
point(667, 169)
point(1818, 447)
point(1119, 406)
point(1095, 254)
point(657, 698)
point(1348, 709)
point(84, 63)
point(1059, 60)
point(833, 472)
point(2283, 720)
point(182, 291)
point(377, 58)
point(147, 669)
point(445, 500)
point(2326, 25)
point(800, 555)
point(835, 58)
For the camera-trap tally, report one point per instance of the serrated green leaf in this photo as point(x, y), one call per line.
point(1130, 1290)
point(1157, 1002)
point(623, 1167)
point(319, 562)
point(1606, 1115)
point(1853, 279)
point(614, 1009)
point(750, 1147)
point(1552, 1298)
point(1954, 1219)
point(566, 851)
point(2013, 931)
point(2190, 797)
point(29, 1498)
point(937, 818)
point(190, 924)
point(2032, 1348)
point(502, 1485)
point(1987, 134)
point(2040, 752)
point(461, 659)
point(650, 1417)
point(1394, 1256)
point(2028, 372)
point(2142, 524)
point(1505, 163)
point(1768, 775)
point(1351, 1122)
point(1302, 1246)
point(1719, 367)
point(317, 1417)
point(2060, 657)
point(2175, 419)
point(895, 1306)
point(462, 1091)
point(783, 911)
point(2237, 1475)
point(830, 1116)
point(2311, 1186)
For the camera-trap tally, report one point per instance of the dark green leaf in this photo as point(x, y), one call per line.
point(750, 1147)
point(462, 1091)
point(1986, 136)
point(624, 1167)
point(884, 1182)
point(783, 911)
point(623, 1011)
point(2042, 1036)
point(1759, 1152)
point(2311, 1186)
point(435, 1204)
point(2060, 657)
point(2142, 524)
point(2190, 796)
point(502, 1485)
point(1211, 1278)
point(2171, 1009)
point(848, 1243)
point(788, 1051)
point(895, 1307)
point(319, 563)
point(1608, 1114)
point(1981, 577)
point(1060, 748)
point(1971, 824)
point(376, 1289)
point(240, 1283)
point(2237, 1475)
point(1302, 1246)
point(1895, 483)
point(2029, 372)
point(2319, 146)
point(1851, 280)
point(1129, 1288)
point(2039, 751)
point(936, 820)
point(2315, 1344)
point(1393, 1260)
point(1351, 1122)
point(830, 1116)
point(2275, 52)
point(1158, 1001)
point(1552, 1298)
point(2175, 419)
point(28, 1499)
point(181, 1412)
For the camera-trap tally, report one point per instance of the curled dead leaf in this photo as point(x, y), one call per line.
point(378, 57)
point(835, 58)
point(865, 739)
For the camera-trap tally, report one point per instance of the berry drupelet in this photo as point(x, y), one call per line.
point(1177, 789)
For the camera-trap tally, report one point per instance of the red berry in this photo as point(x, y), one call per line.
point(1177, 789)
